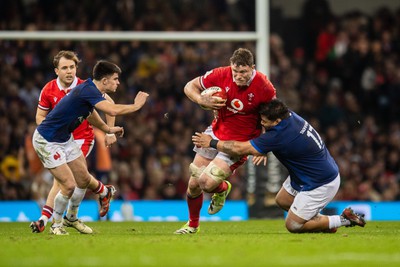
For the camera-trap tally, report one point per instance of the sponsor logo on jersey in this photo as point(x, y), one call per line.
point(237, 104)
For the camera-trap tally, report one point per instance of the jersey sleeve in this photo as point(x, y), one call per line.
point(269, 89)
point(211, 78)
point(44, 99)
point(266, 142)
point(256, 147)
point(92, 95)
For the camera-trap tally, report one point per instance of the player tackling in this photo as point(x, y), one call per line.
point(236, 118)
point(314, 177)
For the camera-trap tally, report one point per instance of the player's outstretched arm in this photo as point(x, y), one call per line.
point(229, 147)
point(118, 109)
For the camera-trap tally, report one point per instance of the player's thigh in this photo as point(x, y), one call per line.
point(285, 197)
point(65, 179)
point(80, 171)
point(308, 204)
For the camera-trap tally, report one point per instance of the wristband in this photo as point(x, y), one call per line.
point(213, 143)
point(110, 134)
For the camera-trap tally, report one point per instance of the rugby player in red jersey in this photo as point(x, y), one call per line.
point(237, 118)
point(54, 143)
point(65, 66)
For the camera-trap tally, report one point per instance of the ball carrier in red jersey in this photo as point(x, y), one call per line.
point(237, 118)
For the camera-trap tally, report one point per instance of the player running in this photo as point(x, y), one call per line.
point(237, 119)
point(65, 66)
point(54, 143)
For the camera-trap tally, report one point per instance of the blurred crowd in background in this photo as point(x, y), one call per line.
point(344, 77)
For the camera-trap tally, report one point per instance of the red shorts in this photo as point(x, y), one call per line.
point(86, 145)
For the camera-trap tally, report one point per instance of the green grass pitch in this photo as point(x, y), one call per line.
point(228, 244)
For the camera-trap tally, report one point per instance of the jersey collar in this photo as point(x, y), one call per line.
point(73, 84)
point(252, 77)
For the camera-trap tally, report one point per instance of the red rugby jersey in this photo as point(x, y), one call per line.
point(239, 119)
point(51, 94)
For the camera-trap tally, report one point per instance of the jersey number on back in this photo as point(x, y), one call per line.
point(311, 132)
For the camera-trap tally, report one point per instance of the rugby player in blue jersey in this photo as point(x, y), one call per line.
point(314, 177)
point(54, 143)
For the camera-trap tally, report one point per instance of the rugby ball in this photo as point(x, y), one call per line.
point(214, 91)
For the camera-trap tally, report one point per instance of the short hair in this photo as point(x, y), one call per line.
point(275, 109)
point(71, 55)
point(104, 69)
point(242, 57)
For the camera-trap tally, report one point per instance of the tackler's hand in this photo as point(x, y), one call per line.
point(201, 139)
point(259, 159)
point(118, 131)
point(110, 139)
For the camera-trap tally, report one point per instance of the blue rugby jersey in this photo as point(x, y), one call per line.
point(298, 146)
point(70, 112)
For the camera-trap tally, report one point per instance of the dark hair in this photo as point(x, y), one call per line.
point(103, 69)
point(242, 57)
point(71, 55)
point(275, 109)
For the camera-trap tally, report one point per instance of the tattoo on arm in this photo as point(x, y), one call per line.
point(228, 147)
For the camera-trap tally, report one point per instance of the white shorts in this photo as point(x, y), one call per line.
point(54, 154)
point(307, 204)
point(211, 153)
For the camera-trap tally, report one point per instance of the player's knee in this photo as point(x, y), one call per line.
point(216, 174)
point(195, 171)
point(193, 186)
point(293, 226)
point(84, 180)
point(67, 189)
